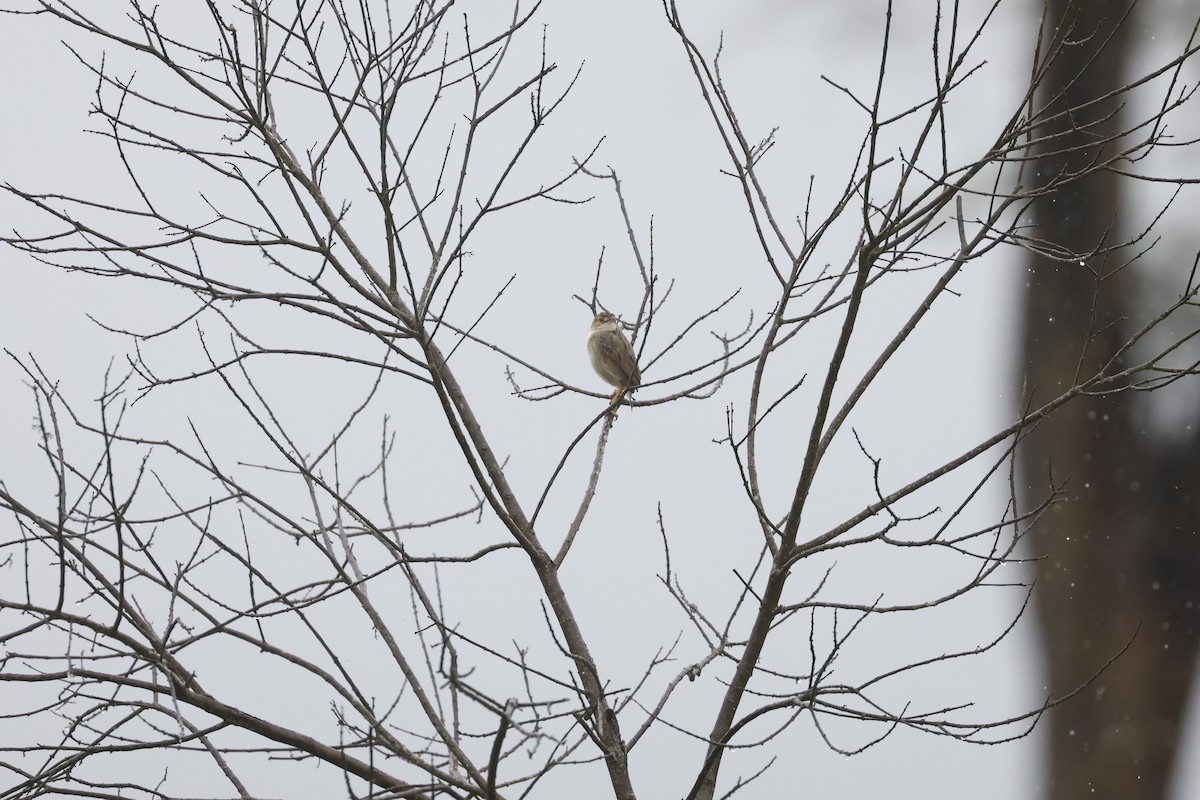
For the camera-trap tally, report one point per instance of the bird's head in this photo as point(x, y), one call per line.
point(605, 321)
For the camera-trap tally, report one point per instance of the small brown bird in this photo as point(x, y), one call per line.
point(612, 355)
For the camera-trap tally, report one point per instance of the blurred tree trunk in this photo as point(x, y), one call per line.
point(1119, 556)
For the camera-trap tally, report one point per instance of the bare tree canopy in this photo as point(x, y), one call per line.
point(338, 517)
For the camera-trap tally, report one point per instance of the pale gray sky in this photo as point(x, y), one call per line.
point(946, 391)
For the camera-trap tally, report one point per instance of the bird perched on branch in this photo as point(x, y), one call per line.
point(612, 355)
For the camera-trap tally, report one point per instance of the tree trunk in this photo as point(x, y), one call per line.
point(1119, 556)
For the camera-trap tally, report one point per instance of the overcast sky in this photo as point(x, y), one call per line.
point(949, 389)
